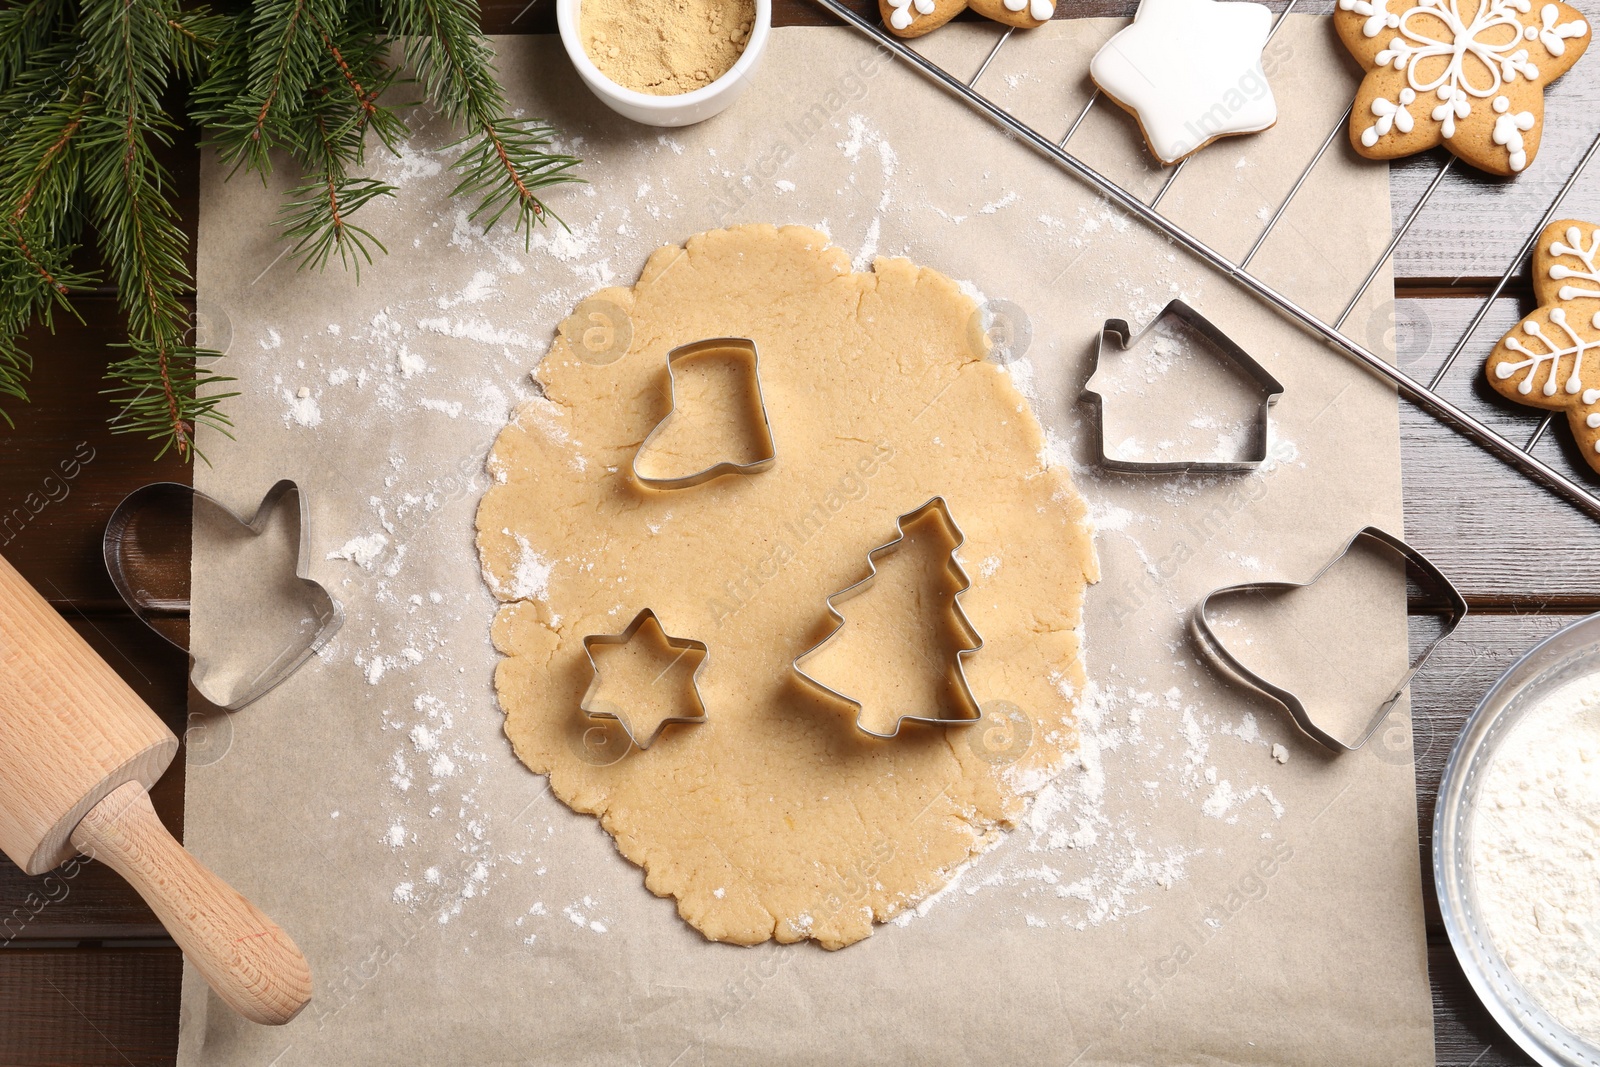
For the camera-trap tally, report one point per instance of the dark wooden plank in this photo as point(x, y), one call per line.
point(1464, 1034)
point(1449, 687)
point(83, 1008)
point(1470, 512)
point(1443, 694)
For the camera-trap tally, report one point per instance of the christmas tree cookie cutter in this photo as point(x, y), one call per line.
point(590, 707)
point(1206, 638)
point(968, 632)
point(120, 542)
point(769, 447)
point(1117, 332)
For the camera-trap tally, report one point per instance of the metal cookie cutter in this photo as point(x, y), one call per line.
point(716, 470)
point(969, 632)
point(1118, 331)
point(682, 644)
point(148, 607)
point(1212, 646)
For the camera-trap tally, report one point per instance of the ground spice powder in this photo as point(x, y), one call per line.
point(665, 47)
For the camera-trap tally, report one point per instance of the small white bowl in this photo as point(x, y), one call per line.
point(684, 109)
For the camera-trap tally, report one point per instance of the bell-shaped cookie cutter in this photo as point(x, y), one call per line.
point(145, 608)
point(1209, 643)
point(681, 644)
point(722, 467)
point(969, 632)
point(1118, 331)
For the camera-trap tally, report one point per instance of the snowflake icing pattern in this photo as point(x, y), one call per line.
point(1534, 365)
point(1480, 58)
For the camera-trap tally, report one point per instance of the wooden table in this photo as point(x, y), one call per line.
point(87, 976)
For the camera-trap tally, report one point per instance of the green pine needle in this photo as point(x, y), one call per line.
point(317, 218)
point(84, 92)
point(504, 165)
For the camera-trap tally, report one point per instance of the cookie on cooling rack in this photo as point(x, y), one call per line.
point(913, 18)
point(1467, 74)
point(1551, 359)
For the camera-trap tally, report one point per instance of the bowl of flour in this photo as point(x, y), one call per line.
point(1516, 848)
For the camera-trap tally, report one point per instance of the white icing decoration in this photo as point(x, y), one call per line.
point(1041, 10)
point(1593, 421)
point(1554, 37)
point(1389, 115)
point(1591, 395)
point(1015, 5)
point(901, 15)
point(1379, 17)
point(1554, 353)
point(1573, 246)
point(1508, 129)
point(1191, 69)
point(1496, 60)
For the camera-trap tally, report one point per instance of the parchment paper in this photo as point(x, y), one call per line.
point(1181, 897)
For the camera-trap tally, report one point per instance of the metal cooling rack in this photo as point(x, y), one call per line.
point(1423, 395)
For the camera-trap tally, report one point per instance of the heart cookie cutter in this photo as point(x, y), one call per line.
point(716, 470)
point(148, 608)
point(682, 644)
point(1118, 332)
point(968, 631)
point(1208, 641)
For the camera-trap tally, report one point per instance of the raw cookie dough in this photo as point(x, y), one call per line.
point(777, 818)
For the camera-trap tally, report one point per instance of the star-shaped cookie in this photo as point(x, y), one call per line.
point(1190, 72)
point(1551, 360)
point(913, 18)
point(1467, 74)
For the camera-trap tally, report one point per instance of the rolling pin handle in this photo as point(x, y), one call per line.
point(242, 954)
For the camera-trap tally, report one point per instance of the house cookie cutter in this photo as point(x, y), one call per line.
point(1209, 643)
point(147, 607)
point(969, 632)
point(716, 470)
point(1119, 332)
point(683, 644)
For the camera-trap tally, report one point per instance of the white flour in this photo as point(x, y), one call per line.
point(1536, 854)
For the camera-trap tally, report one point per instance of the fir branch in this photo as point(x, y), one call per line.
point(506, 161)
point(43, 112)
point(317, 219)
point(281, 62)
point(82, 85)
point(15, 366)
point(196, 34)
point(157, 384)
point(26, 29)
point(505, 164)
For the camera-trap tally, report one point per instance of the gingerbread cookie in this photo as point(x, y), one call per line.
point(1551, 360)
point(1190, 72)
point(1467, 74)
point(913, 18)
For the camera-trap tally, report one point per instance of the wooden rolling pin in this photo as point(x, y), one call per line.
point(78, 750)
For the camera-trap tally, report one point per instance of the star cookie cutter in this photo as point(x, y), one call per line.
point(969, 632)
point(1209, 643)
point(716, 470)
point(1118, 331)
point(147, 607)
point(682, 644)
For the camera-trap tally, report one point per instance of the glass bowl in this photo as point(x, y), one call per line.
point(1563, 656)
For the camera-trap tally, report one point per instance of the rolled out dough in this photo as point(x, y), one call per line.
point(777, 818)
